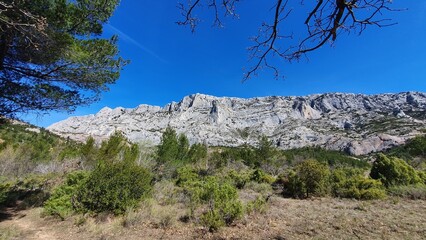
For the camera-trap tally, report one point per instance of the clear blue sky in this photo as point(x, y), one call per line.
point(168, 62)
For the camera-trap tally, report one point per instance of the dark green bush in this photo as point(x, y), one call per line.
point(291, 184)
point(59, 204)
point(186, 175)
point(238, 179)
point(328, 157)
point(31, 191)
point(222, 199)
point(112, 188)
point(260, 176)
point(116, 148)
point(197, 152)
point(309, 178)
point(5, 188)
point(392, 171)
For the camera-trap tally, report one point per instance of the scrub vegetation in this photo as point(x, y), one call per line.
point(191, 186)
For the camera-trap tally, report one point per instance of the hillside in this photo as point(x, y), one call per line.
point(355, 123)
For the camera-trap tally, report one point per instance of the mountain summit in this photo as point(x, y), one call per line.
point(355, 123)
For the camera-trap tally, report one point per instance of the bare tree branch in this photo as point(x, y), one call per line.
point(326, 20)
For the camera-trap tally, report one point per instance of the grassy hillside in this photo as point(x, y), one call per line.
point(191, 186)
point(26, 149)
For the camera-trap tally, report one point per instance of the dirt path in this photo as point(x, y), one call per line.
point(25, 224)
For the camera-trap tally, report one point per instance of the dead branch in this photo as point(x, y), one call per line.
point(324, 23)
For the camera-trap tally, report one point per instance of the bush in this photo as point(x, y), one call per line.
point(258, 205)
point(417, 191)
point(5, 188)
point(224, 206)
point(310, 178)
point(117, 148)
point(260, 176)
point(30, 191)
point(238, 179)
point(392, 171)
point(360, 188)
point(59, 204)
point(185, 175)
point(113, 188)
point(351, 183)
point(220, 197)
point(422, 176)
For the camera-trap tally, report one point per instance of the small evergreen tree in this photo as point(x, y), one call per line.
point(265, 151)
point(89, 151)
point(183, 148)
point(196, 152)
point(168, 149)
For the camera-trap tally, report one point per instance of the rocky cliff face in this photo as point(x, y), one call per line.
point(356, 123)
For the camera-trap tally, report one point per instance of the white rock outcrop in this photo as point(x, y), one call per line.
point(356, 123)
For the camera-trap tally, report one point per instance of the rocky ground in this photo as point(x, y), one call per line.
point(322, 218)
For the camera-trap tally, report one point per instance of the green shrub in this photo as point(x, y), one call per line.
point(350, 183)
point(221, 199)
point(224, 206)
point(59, 204)
point(113, 188)
point(417, 191)
point(197, 152)
point(30, 191)
point(392, 171)
point(361, 188)
point(5, 188)
point(329, 157)
point(186, 175)
point(261, 177)
point(117, 148)
point(257, 205)
point(422, 176)
point(310, 178)
point(238, 179)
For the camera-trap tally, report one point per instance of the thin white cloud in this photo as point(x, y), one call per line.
point(131, 40)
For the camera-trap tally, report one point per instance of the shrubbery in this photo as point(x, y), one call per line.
point(392, 171)
point(310, 178)
point(116, 183)
point(112, 188)
point(60, 202)
point(350, 183)
point(4, 192)
point(220, 197)
point(30, 191)
point(417, 191)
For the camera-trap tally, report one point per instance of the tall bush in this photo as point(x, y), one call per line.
point(392, 171)
point(59, 204)
point(350, 183)
point(112, 188)
point(309, 178)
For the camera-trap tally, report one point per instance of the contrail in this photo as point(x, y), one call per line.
point(129, 39)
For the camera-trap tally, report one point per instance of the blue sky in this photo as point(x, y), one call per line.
point(169, 62)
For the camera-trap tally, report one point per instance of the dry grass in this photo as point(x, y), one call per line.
point(322, 218)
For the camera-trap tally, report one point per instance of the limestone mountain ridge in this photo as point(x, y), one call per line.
point(356, 123)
